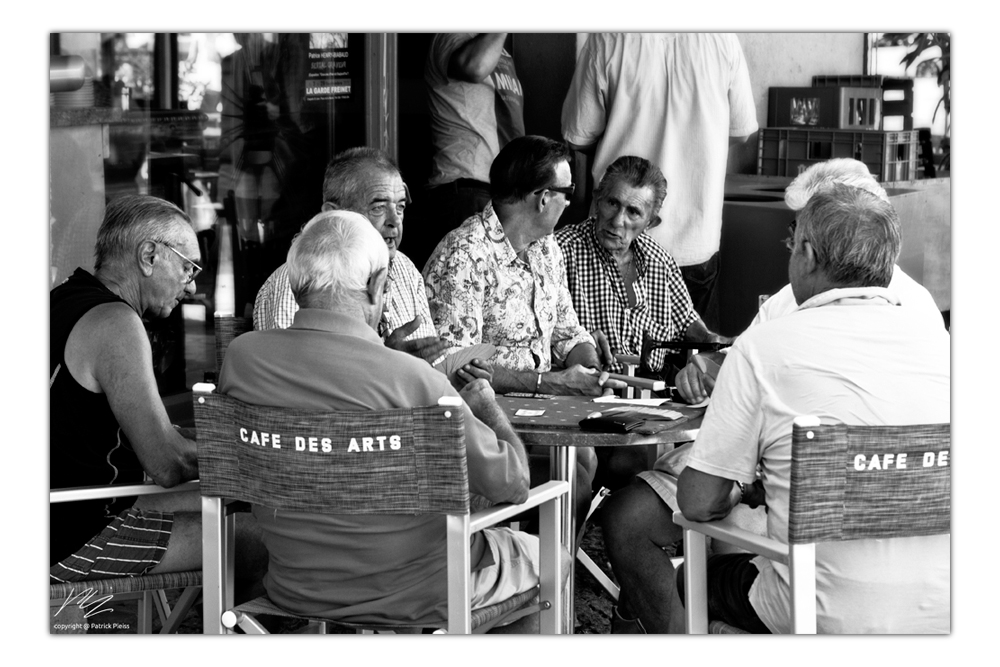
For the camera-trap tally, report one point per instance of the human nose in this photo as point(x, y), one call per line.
point(189, 288)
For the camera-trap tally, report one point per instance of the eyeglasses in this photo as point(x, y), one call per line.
point(790, 241)
point(194, 268)
point(566, 190)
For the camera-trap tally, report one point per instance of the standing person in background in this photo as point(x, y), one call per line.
point(476, 107)
point(679, 100)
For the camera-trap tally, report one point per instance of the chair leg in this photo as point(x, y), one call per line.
point(181, 609)
point(145, 614)
point(162, 606)
point(695, 583)
point(550, 619)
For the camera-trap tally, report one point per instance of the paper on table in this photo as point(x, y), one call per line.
point(614, 400)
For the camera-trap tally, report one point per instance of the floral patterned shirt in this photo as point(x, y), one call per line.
point(481, 292)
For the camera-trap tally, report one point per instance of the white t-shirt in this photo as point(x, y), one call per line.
point(674, 99)
point(849, 356)
point(910, 293)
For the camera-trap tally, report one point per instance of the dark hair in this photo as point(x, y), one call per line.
point(131, 219)
point(524, 165)
point(635, 172)
point(348, 170)
point(854, 234)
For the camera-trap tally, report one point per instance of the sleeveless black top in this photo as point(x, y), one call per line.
point(86, 446)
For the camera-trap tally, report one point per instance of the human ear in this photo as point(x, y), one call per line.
point(146, 256)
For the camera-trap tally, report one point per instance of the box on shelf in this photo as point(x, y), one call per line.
point(897, 95)
point(889, 156)
point(841, 107)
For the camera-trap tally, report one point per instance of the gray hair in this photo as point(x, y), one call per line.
point(824, 174)
point(336, 251)
point(635, 172)
point(854, 234)
point(132, 219)
point(349, 170)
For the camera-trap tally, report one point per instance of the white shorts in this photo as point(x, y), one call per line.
point(514, 569)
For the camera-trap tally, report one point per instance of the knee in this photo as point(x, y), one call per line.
point(631, 512)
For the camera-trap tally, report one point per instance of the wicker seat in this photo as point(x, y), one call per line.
point(228, 327)
point(148, 589)
point(832, 501)
point(425, 474)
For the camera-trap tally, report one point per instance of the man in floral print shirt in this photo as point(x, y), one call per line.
point(500, 278)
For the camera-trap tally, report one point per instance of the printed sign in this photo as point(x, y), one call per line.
point(329, 75)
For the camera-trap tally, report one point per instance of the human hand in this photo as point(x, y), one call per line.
point(579, 380)
point(694, 382)
point(475, 369)
point(479, 396)
point(605, 356)
point(429, 348)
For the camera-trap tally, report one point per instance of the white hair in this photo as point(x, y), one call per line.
point(821, 176)
point(336, 252)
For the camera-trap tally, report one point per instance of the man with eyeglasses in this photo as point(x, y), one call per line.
point(366, 181)
point(500, 278)
point(108, 424)
point(696, 380)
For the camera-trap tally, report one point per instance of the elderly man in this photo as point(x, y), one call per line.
point(365, 568)
point(696, 380)
point(680, 100)
point(108, 424)
point(849, 354)
point(624, 283)
point(500, 278)
point(366, 181)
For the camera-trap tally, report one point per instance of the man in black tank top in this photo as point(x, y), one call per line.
point(108, 424)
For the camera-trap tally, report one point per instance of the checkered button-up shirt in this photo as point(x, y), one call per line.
point(663, 306)
point(275, 307)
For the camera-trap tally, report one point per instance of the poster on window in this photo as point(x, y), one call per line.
point(329, 67)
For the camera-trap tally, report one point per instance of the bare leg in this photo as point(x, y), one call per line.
point(637, 525)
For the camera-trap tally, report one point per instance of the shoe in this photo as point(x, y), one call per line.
point(625, 626)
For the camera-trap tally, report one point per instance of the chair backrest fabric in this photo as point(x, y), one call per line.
point(866, 482)
point(228, 327)
point(405, 461)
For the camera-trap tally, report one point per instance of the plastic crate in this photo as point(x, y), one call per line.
point(889, 156)
point(836, 107)
point(898, 112)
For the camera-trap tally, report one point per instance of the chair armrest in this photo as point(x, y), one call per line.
point(99, 492)
point(539, 495)
point(639, 383)
point(628, 359)
point(726, 531)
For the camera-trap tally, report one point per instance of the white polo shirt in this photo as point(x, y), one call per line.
point(851, 356)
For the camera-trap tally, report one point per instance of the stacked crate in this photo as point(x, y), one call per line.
point(846, 121)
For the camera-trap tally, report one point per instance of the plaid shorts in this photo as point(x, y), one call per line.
point(131, 545)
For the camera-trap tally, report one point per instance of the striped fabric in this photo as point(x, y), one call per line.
point(324, 462)
point(839, 491)
point(130, 545)
point(226, 329)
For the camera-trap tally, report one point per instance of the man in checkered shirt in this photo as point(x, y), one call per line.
point(622, 281)
point(366, 181)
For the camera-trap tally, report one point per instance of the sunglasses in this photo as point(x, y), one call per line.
point(566, 190)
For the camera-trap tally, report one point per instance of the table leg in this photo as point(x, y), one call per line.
point(562, 466)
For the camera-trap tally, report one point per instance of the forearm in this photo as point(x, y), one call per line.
point(699, 333)
point(477, 58)
point(494, 417)
point(172, 461)
point(585, 355)
point(506, 380)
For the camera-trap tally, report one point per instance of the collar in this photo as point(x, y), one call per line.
point(317, 319)
point(852, 296)
point(500, 244)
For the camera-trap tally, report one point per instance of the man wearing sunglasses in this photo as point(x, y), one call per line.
point(108, 424)
point(500, 278)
